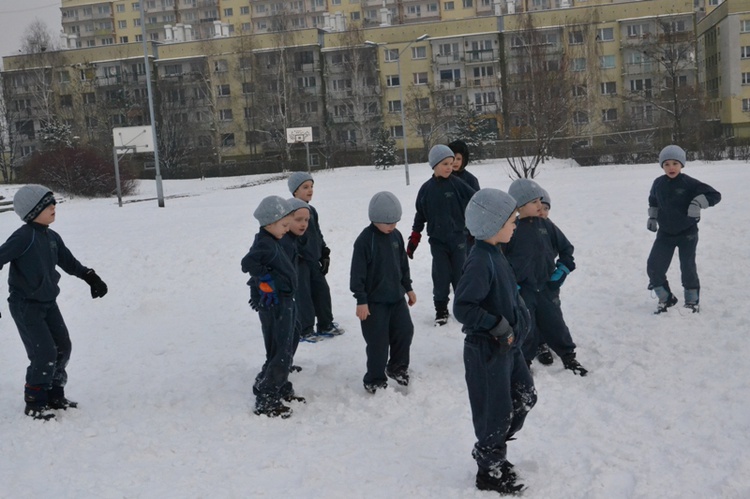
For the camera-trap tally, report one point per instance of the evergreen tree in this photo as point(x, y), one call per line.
point(384, 150)
point(477, 131)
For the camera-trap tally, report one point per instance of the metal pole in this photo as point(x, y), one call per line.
point(403, 113)
point(117, 177)
point(159, 191)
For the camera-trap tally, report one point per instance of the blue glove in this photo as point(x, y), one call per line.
point(267, 288)
point(558, 276)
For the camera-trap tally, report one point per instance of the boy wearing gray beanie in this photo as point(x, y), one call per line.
point(379, 279)
point(273, 282)
point(33, 282)
point(541, 257)
point(441, 202)
point(315, 251)
point(674, 209)
point(495, 322)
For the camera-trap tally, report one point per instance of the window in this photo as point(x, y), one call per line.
point(420, 78)
point(136, 22)
point(225, 115)
point(579, 64)
point(394, 106)
point(609, 88)
point(89, 98)
point(580, 118)
point(121, 7)
point(392, 81)
point(244, 10)
point(228, 12)
point(63, 77)
point(746, 78)
point(391, 55)
point(122, 24)
point(123, 39)
point(136, 6)
point(449, 6)
point(609, 115)
point(607, 62)
point(221, 66)
point(745, 26)
point(746, 105)
point(575, 37)
point(306, 82)
point(745, 52)
point(172, 69)
point(223, 91)
point(605, 34)
point(227, 140)
point(643, 113)
point(108, 41)
point(675, 27)
point(397, 132)
point(579, 91)
point(637, 30)
point(641, 86)
point(419, 52)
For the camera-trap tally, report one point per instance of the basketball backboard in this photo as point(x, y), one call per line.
point(135, 138)
point(300, 134)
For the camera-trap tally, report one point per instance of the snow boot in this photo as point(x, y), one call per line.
point(36, 403)
point(373, 387)
point(543, 355)
point(691, 300)
point(441, 313)
point(56, 399)
point(570, 363)
point(400, 375)
point(278, 411)
point(666, 299)
point(503, 481)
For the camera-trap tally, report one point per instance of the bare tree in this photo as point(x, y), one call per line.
point(37, 38)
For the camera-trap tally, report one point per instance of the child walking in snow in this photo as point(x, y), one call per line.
point(495, 321)
point(379, 279)
point(531, 253)
point(674, 210)
point(440, 204)
point(33, 251)
point(318, 257)
point(273, 282)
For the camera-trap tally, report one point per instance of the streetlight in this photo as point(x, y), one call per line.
point(401, 97)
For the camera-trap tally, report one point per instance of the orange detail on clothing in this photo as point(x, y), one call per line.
point(265, 287)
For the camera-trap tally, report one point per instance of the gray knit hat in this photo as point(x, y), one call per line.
point(295, 204)
point(385, 208)
point(525, 190)
point(487, 212)
point(672, 152)
point(438, 153)
point(296, 179)
point(30, 200)
point(272, 209)
point(546, 199)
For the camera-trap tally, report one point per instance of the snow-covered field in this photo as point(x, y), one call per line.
point(162, 366)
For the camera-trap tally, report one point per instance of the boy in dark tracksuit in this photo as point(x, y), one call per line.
point(532, 253)
point(318, 256)
point(460, 160)
point(674, 209)
point(495, 321)
point(33, 252)
point(293, 241)
point(379, 279)
point(273, 282)
point(440, 204)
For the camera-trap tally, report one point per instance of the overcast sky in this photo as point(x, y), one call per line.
point(17, 15)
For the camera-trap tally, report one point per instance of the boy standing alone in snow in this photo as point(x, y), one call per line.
point(495, 321)
point(441, 202)
point(379, 279)
point(273, 281)
point(34, 251)
point(318, 256)
point(674, 209)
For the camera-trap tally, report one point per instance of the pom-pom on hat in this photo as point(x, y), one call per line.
point(385, 208)
point(296, 179)
point(438, 153)
point(30, 200)
point(674, 152)
point(295, 204)
point(272, 209)
point(524, 190)
point(487, 212)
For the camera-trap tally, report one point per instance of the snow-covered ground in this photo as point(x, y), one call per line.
point(162, 366)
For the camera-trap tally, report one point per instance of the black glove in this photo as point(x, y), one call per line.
point(98, 288)
point(325, 260)
point(503, 334)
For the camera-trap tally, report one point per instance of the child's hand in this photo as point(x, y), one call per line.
point(696, 205)
point(363, 311)
point(267, 288)
point(413, 243)
point(98, 288)
point(412, 298)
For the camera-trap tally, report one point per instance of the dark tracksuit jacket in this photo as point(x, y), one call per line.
point(501, 390)
point(268, 255)
point(467, 177)
point(34, 251)
point(441, 203)
point(380, 277)
point(676, 230)
point(311, 252)
point(532, 252)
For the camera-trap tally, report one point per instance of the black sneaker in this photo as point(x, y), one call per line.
point(694, 307)
point(280, 411)
point(570, 363)
point(664, 305)
point(543, 355)
point(400, 376)
point(373, 387)
point(295, 398)
point(62, 403)
point(504, 484)
point(441, 318)
point(38, 412)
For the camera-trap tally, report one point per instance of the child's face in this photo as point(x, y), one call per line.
point(300, 220)
point(444, 168)
point(279, 227)
point(458, 161)
point(672, 168)
point(531, 209)
point(545, 210)
point(305, 191)
point(385, 228)
point(505, 233)
point(47, 216)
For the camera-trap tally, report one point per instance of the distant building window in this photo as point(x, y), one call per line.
point(609, 115)
point(227, 140)
point(575, 37)
point(746, 105)
point(579, 64)
point(609, 88)
point(745, 26)
point(449, 6)
point(225, 115)
point(392, 81)
point(605, 34)
point(745, 52)
point(223, 91)
point(607, 62)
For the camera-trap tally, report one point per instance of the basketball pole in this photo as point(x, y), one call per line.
point(159, 191)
